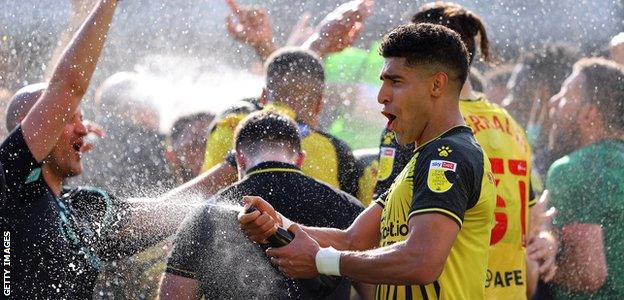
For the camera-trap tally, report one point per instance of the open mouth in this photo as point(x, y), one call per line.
point(77, 145)
point(390, 117)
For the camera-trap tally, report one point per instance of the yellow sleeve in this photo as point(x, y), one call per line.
point(220, 140)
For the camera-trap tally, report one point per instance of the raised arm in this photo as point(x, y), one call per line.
point(69, 82)
point(340, 28)
point(582, 263)
point(337, 31)
point(251, 26)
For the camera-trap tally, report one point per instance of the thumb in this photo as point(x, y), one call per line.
point(296, 229)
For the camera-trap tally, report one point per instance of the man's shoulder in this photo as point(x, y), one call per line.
point(336, 194)
point(459, 143)
point(341, 146)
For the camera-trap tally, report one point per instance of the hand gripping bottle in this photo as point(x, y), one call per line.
point(321, 285)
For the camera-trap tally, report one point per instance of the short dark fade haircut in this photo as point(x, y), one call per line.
point(290, 67)
point(264, 130)
point(426, 44)
point(604, 88)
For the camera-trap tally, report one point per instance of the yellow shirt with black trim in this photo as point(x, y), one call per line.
point(328, 159)
point(506, 145)
point(449, 175)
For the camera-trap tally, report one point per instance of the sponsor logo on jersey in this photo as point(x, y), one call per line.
point(394, 230)
point(386, 162)
point(437, 180)
point(502, 279)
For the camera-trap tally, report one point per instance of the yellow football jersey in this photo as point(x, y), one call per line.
point(449, 175)
point(505, 143)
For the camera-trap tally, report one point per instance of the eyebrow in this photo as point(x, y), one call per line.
point(389, 76)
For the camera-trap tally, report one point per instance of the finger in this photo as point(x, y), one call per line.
point(296, 229)
point(304, 21)
point(551, 274)
point(260, 239)
point(95, 129)
point(86, 147)
point(547, 269)
point(251, 200)
point(231, 25)
point(253, 231)
point(354, 32)
point(367, 7)
point(244, 218)
point(538, 254)
point(233, 6)
point(275, 252)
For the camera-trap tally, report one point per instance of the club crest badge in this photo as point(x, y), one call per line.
point(437, 179)
point(388, 138)
point(386, 162)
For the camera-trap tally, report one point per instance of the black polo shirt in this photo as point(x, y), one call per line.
point(211, 249)
point(56, 245)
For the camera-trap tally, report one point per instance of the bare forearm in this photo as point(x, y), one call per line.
point(79, 59)
point(363, 234)
point(68, 84)
point(329, 237)
point(203, 186)
point(582, 263)
point(395, 264)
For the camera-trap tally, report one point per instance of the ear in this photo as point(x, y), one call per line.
point(438, 84)
point(263, 97)
point(300, 158)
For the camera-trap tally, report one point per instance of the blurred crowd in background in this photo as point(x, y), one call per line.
point(171, 70)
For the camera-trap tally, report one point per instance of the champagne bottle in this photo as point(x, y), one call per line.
point(321, 285)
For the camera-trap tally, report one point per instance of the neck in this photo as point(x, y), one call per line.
point(307, 118)
point(52, 179)
point(601, 135)
point(266, 157)
point(467, 92)
point(441, 121)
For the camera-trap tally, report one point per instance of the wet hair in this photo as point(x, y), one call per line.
point(604, 88)
point(548, 67)
point(469, 25)
point(265, 130)
point(21, 102)
point(293, 74)
point(428, 45)
point(183, 124)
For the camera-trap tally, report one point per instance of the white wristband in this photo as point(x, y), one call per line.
point(286, 223)
point(328, 261)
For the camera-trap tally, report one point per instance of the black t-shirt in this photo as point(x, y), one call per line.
point(211, 249)
point(56, 245)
